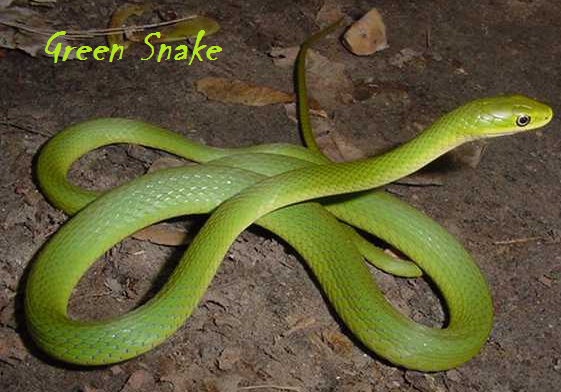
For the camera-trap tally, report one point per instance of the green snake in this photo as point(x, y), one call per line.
point(293, 191)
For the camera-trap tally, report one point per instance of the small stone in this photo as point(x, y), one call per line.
point(367, 35)
point(454, 375)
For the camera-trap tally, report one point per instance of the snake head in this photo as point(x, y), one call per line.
point(504, 115)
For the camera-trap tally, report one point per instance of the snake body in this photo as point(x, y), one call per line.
point(290, 190)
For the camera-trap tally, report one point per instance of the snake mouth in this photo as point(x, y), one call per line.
point(498, 134)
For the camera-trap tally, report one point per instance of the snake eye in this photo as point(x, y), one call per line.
point(523, 120)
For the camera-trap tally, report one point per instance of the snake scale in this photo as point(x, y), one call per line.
point(293, 191)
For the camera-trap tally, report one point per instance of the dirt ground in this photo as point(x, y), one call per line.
point(264, 325)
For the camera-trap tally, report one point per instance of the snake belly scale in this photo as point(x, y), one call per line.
point(290, 190)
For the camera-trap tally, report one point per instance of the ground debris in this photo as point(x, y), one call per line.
point(140, 380)
point(367, 35)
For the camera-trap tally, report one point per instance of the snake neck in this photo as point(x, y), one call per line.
point(348, 177)
point(441, 137)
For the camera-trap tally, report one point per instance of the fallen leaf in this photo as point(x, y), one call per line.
point(367, 35)
point(327, 80)
point(469, 154)
point(323, 129)
point(118, 19)
point(422, 179)
point(166, 162)
point(285, 57)
point(164, 234)
point(236, 91)
point(330, 142)
point(14, 36)
point(329, 12)
point(139, 380)
point(348, 150)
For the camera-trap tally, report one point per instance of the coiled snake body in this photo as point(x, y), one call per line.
point(294, 192)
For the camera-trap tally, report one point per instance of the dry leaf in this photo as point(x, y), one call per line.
point(284, 57)
point(349, 150)
point(338, 149)
point(331, 143)
point(290, 109)
point(164, 234)
point(34, 44)
point(327, 81)
point(167, 162)
point(12, 37)
point(139, 380)
point(329, 12)
point(422, 179)
point(469, 154)
point(367, 35)
point(118, 19)
point(236, 91)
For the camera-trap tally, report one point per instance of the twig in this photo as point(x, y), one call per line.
point(75, 34)
point(516, 241)
point(428, 42)
point(23, 128)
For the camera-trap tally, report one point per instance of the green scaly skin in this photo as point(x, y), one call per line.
point(262, 185)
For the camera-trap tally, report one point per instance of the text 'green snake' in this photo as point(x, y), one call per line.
point(290, 190)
